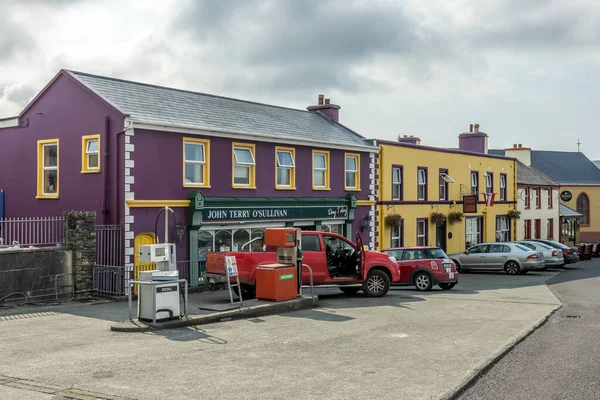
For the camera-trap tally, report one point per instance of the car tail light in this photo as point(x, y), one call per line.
point(533, 256)
point(554, 253)
point(567, 251)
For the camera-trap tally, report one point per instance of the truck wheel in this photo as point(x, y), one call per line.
point(377, 284)
point(350, 290)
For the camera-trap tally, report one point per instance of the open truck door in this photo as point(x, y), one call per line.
point(360, 256)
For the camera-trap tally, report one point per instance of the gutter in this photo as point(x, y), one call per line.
point(105, 209)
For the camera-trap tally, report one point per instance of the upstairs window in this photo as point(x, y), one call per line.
point(195, 162)
point(527, 198)
point(90, 160)
point(550, 205)
point(352, 181)
point(583, 207)
point(47, 175)
point(503, 187)
point(286, 168)
point(421, 184)
point(538, 198)
point(244, 166)
point(320, 170)
point(475, 183)
point(489, 183)
point(397, 183)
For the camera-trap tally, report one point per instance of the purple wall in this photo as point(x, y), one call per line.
point(158, 157)
point(65, 111)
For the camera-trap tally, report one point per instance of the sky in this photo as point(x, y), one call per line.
point(525, 70)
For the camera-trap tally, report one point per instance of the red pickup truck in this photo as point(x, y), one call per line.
point(334, 260)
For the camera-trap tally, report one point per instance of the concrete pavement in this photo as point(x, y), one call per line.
point(406, 345)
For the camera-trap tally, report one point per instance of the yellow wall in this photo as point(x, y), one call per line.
point(593, 193)
point(459, 168)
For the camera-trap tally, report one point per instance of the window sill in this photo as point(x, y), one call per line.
point(47, 197)
point(191, 185)
point(319, 188)
point(244, 187)
point(90, 171)
point(352, 189)
point(284, 188)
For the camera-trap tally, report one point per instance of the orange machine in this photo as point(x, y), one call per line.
point(281, 237)
point(215, 262)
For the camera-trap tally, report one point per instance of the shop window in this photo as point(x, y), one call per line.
point(583, 207)
point(241, 237)
point(221, 240)
point(475, 183)
point(352, 165)
point(421, 232)
point(421, 184)
point(333, 228)
point(90, 154)
point(205, 244)
point(286, 168)
point(48, 172)
point(244, 166)
point(196, 162)
point(397, 192)
point(489, 183)
point(256, 245)
point(502, 229)
point(503, 187)
point(320, 170)
point(396, 239)
point(473, 231)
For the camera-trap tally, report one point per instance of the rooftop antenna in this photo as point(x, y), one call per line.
point(578, 145)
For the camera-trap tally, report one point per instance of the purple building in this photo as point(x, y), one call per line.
point(229, 168)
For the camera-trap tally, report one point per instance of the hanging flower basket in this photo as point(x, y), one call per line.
point(438, 218)
point(454, 217)
point(514, 214)
point(393, 220)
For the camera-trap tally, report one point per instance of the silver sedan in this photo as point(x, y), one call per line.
point(512, 258)
point(552, 257)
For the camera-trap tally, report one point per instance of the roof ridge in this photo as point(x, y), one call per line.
point(184, 91)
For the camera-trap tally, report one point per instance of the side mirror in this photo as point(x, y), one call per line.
point(466, 252)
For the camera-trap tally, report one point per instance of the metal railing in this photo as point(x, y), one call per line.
point(108, 280)
point(109, 246)
point(32, 231)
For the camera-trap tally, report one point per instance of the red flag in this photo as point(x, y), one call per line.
point(489, 199)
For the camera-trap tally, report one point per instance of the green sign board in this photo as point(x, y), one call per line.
point(232, 214)
point(286, 277)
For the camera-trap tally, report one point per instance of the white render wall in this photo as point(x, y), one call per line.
point(542, 213)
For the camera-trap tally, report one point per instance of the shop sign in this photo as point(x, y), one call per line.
point(469, 204)
point(273, 213)
point(566, 195)
point(231, 264)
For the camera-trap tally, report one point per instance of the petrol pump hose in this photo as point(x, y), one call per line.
point(299, 265)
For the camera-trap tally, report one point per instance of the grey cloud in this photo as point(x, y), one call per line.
point(19, 94)
point(13, 38)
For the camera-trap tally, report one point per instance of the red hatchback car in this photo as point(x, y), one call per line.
point(423, 267)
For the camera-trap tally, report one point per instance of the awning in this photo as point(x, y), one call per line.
point(568, 212)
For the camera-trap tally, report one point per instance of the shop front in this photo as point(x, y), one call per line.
point(237, 223)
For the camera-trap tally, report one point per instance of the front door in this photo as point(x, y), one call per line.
point(440, 236)
point(142, 239)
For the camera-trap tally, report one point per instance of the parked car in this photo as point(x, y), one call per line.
point(511, 257)
point(424, 267)
point(570, 255)
point(334, 260)
point(552, 257)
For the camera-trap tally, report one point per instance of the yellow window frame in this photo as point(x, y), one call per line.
point(292, 185)
point(327, 171)
point(252, 168)
point(206, 174)
point(40, 169)
point(357, 187)
point(85, 168)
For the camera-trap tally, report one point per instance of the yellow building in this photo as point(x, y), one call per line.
point(424, 184)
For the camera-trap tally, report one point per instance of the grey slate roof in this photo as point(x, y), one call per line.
point(156, 104)
point(597, 162)
point(531, 176)
point(563, 166)
point(568, 212)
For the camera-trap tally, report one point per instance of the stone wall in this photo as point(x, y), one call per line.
point(80, 238)
point(32, 271)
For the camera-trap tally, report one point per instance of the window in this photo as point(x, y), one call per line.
point(421, 184)
point(538, 229)
point(473, 231)
point(311, 243)
point(527, 229)
point(421, 232)
point(47, 175)
point(195, 162)
point(527, 198)
point(244, 166)
point(550, 229)
point(443, 184)
point(478, 249)
point(397, 192)
point(489, 183)
point(498, 248)
point(222, 240)
point(285, 168)
point(396, 239)
point(583, 207)
point(352, 181)
point(502, 229)
point(320, 170)
point(503, 187)
point(538, 198)
point(549, 190)
point(90, 154)
point(475, 183)
point(333, 228)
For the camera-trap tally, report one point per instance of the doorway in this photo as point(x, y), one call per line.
point(440, 236)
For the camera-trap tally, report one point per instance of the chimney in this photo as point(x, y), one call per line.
point(474, 140)
point(325, 107)
point(409, 139)
point(519, 152)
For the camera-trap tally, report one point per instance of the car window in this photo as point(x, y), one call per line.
point(311, 243)
point(395, 253)
point(435, 253)
point(417, 254)
point(495, 248)
point(333, 243)
point(477, 249)
point(505, 249)
point(521, 247)
point(531, 246)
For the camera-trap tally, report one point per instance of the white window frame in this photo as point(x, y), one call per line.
point(489, 183)
point(396, 236)
point(474, 183)
point(503, 187)
point(469, 232)
point(282, 166)
point(323, 169)
point(538, 198)
point(442, 187)
point(89, 153)
point(397, 183)
point(422, 238)
point(503, 228)
point(49, 168)
point(202, 163)
point(243, 164)
point(527, 198)
point(351, 171)
point(421, 184)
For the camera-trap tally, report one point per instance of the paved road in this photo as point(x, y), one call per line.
point(561, 360)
